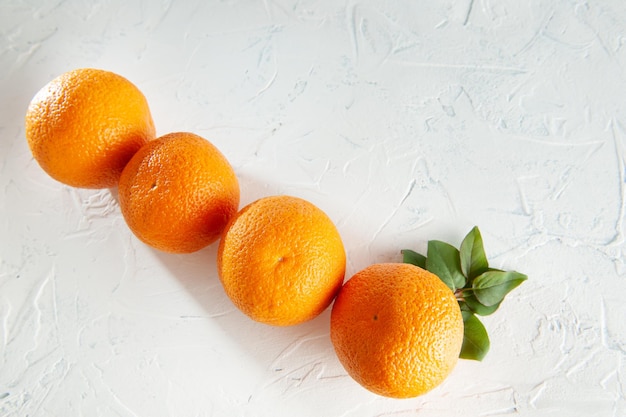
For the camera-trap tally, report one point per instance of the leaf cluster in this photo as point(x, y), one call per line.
point(478, 288)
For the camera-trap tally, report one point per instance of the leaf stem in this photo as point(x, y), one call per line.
point(459, 293)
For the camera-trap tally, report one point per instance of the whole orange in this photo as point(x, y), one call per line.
point(281, 260)
point(84, 126)
point(397, 329)
point(178, 192)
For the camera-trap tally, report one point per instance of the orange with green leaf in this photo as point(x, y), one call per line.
point(399, 328)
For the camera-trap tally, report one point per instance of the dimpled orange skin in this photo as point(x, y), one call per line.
point(397, 329)
point(84, 126)
point(281, 260)
point(178, 192)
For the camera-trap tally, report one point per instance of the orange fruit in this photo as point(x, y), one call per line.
point(84, 126)
point(178, 192)
point(281, 260)
point(397, 329)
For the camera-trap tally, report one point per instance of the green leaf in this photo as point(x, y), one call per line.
point(475, 306)
point(475, 339)
point(443, 260)
point(473, 257)
point(414, 258)
point(491, 287)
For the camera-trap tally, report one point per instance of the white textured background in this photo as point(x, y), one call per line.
point(404, 120)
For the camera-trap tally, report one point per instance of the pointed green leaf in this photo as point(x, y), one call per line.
point(475, 338)
point(443, 260)
point(473, 257)
point(414, 258)
point(475, 306)
point(491, 287)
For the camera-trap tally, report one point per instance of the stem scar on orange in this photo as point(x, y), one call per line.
point(178, 192)
point(85, 125)
point(397, 329)
point(281, 260)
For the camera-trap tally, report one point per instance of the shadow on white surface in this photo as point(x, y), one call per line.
point(287, 361)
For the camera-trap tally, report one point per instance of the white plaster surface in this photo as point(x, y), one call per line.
point(404, 120)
